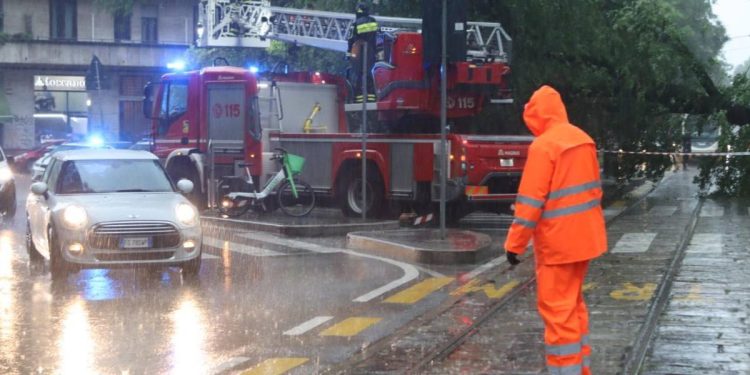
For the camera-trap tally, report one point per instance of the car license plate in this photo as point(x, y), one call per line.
point(135, 242)
point(506, 162)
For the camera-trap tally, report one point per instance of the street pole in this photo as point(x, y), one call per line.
point(363, 50)
point(443, 118)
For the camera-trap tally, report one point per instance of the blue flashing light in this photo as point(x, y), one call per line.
point(96, 141)
point(253, 69)
point(177, 65)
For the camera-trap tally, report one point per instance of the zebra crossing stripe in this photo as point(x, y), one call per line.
point(276, 366)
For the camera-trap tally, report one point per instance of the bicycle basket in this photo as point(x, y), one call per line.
point(295, 163)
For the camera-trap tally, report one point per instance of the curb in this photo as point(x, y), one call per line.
point(299, 230)
point(476, 246)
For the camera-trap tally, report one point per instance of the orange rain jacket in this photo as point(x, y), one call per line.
point(559, 199)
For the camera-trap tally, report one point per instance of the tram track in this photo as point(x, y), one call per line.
point(635, 357)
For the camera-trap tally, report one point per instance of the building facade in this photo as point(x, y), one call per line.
point(46, 51)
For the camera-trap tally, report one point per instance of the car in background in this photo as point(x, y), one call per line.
point(7, 187)
point(25, 161)
point(37, 170)
point(111, 208)
point(143, 145)
point(705, 141)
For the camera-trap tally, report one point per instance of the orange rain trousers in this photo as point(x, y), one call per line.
point(566, 319)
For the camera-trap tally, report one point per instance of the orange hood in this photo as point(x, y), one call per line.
point(544, 110)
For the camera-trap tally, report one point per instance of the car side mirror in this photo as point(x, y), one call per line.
point(39, 188)
point(185, 186)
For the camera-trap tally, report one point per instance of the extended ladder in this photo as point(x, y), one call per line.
point(253, 22)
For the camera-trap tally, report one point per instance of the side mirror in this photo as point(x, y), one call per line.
point(39, 188)
point(148, 101)
point(185, 186)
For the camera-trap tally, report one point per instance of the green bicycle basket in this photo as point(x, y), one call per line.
point(295, 163)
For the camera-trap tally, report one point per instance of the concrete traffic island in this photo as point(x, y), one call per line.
point(320, 222)
point(424, 245)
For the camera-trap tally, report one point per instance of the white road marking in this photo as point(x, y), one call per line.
point(206, 256)
point(485, 267)
point(308, 325)
point(611, 212)
point(711, 243)
point(228, 364)
point(240, 248)
point(662, 210)
point(634, 243)
point(410, 272)
point(712, 211)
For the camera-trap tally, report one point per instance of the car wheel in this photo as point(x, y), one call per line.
point(191, 268)
point(10, 210)
point(59, 268)
point(34, 255)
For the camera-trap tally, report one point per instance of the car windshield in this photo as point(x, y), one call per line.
point(112, 176)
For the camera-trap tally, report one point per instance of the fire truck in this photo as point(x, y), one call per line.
point(216, 121)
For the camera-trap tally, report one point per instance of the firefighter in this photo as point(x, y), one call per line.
point(364, 31)
point(559, 206)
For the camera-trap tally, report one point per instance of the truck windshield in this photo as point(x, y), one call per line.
point(173, 103)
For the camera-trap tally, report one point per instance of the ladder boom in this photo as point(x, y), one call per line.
point(258, 20)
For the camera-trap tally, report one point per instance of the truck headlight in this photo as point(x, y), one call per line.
point(5, 174)
point(74, 217)
point(186, 214)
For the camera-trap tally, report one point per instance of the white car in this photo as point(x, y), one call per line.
point(111, 208)
point(37, 169)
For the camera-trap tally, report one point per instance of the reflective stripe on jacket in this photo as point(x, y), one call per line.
point(559, 198)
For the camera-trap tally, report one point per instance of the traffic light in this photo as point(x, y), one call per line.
point(432, 29)
point(95, 79)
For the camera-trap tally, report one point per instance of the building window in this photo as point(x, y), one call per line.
point(2, 15)
point(122, 26)
point(149, 30)
point(62, 16)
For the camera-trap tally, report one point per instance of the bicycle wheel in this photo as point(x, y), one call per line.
point(299, 206)
point(232, 207)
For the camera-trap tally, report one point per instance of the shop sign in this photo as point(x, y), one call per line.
point(60, 83)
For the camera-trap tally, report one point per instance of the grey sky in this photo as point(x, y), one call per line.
point(735, 16)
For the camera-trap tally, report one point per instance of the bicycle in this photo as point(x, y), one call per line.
point(294, 196)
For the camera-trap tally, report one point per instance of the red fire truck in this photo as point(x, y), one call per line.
point(208, 123)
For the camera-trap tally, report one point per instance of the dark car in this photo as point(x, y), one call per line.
point(7, 187)
point(25, 161)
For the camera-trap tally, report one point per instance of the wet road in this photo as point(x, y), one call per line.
point(258, 297)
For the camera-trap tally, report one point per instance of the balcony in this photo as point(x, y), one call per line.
point(77, 53)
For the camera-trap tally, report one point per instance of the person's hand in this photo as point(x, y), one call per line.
point(512, 258)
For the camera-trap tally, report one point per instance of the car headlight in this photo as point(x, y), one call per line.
point(186, 214)
point(5, 174)
point(74, 217)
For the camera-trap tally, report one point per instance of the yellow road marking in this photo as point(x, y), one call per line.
point(275, 366)
point(589, 286)
point(617, 204)
point(487, 288)
point(350, 327)
point(420, 290)
point(693, 294)
point(632, 292)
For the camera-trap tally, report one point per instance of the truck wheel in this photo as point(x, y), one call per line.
point(351, 194)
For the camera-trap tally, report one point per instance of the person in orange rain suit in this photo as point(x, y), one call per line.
point(559, 206)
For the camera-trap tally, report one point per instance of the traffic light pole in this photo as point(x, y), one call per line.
point(363, 50)
point(443, 118)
